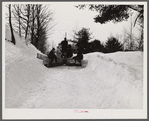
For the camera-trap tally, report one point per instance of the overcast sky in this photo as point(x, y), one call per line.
point(69, 18)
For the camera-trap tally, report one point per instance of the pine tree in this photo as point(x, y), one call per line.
point(82, 38)
point(113, 45)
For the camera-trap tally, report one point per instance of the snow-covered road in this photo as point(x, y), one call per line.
point(106, 81)
point(66, 88)
point(101, 84)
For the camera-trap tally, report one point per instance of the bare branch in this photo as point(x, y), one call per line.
point(136, 8)
point(137, 18)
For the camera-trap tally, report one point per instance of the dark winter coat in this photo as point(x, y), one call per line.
point(64, 45)
point(51, 54)
point(79, 55)
point(69, 52)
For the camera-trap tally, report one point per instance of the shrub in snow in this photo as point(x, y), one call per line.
point(113, 45)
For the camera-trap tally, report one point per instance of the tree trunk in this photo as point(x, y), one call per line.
point(28, 18)
point(32, 26)
point(12, 35)
point(38, 25)
point(19, 21)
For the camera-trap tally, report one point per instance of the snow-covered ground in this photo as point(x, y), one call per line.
point(105, 81)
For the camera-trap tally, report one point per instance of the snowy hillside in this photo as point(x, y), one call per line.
point(106, 81)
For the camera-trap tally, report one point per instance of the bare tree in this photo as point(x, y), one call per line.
point(43, 18)
point(26, 18)
point(133, 41)
point(16, 14)
point(12, 35)
point(33, 12)
point(129, 37)
point(33, 21)
point(140, 41)
point(22, 14)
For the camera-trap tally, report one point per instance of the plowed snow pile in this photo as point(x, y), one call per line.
point(106, 81)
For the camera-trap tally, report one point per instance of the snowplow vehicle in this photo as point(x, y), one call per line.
point(63, 55)
point(62, 60)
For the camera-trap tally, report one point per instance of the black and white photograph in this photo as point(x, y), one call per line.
point(82, 57)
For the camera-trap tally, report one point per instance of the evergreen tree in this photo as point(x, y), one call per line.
point(118, 13)
point(115, 13)
point(82, 38)
point(113, 45)
point(96, 46)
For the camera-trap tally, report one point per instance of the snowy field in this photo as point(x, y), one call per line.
point(105, 81)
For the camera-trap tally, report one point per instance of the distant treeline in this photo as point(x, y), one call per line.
point(82, 41)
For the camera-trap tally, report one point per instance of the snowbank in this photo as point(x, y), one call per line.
point(22, 69)
point(106, 81)
point(121, 78)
